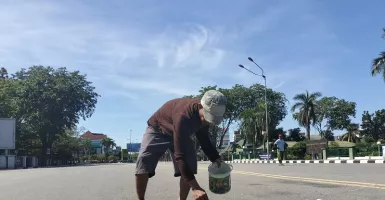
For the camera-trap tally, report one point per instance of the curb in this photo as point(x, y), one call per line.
point(309, 161)
point(62, 166)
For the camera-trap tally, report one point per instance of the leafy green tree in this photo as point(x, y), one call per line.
point(66, 145)
point(253, 98)
point(373, 125)
point(276, 132)
point(217, 133)
point(340, 113)
point(295, 135)
point(51, 101)
point(335, 113)
point(253, 121)
point(3, 73)
point(328, 135)
point(240, 99)
point(27, 142)
point(322, 112)
point(7, 100)
point(306, 106)
point(86, 145)
point(378, 65)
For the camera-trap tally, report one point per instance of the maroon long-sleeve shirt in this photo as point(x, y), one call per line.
point(180, 119)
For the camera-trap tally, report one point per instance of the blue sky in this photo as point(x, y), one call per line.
point(141, 53)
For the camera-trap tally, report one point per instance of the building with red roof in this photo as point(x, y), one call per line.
point(96, 141)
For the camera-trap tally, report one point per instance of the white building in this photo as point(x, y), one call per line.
point(237, 136)
point(226, 139)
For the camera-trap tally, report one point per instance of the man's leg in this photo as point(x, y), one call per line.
point(279, 153)
point(152, 148)
point(281, 156)
point(184, 189)
point(141, 185)
point(192, 163)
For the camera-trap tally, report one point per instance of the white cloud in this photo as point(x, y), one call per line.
point(139, 55)
point(129, 59)
point(126, 56)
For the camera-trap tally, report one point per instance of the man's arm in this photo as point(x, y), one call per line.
point(181, 133)
point(205, 142)
point(276, 142)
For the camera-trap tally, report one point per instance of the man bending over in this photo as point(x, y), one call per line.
point(170, 128)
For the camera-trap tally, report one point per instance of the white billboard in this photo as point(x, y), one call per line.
point(7, 133)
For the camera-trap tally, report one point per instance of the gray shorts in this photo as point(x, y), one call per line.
point(153, 147)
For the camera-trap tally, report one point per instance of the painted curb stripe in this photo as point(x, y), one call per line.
point(305, 161)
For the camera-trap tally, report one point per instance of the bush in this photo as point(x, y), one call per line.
point(369, 139)
point(291, 157)
point(375, 153)
point(299, 145)
point(298, 151)
point(308, 157)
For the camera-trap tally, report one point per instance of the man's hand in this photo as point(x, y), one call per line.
point(218, 161)
point(200, 194)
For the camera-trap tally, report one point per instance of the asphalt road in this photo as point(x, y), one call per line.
point(249, 181)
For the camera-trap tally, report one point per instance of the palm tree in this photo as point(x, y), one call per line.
point(351, 135)
point(378, 65)
point(108, 144)
point(306, 109)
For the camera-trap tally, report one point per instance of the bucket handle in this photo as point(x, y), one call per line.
point(225, 163)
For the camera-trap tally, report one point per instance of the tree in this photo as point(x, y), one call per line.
point(253, 121)
point(241, 98)
point(86, 145)
point(253, 99)
point(306, 104)
point(295, 135)
point(276, 132)
point(108, 144)
point(322, 111)
point(373, 125)
point(7, 97)
point(328, 135)
point(336, 114)
point(378, 65)
point(339, 115)
point(66, 145)
point(3, 73)
point(215, 132)
point(233, 109)
point(53, 100)
point(351, 135)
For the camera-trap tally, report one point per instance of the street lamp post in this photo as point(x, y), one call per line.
point(130, 150)
point(266, 111)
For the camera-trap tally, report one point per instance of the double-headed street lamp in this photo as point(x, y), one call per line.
point(267, 122)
